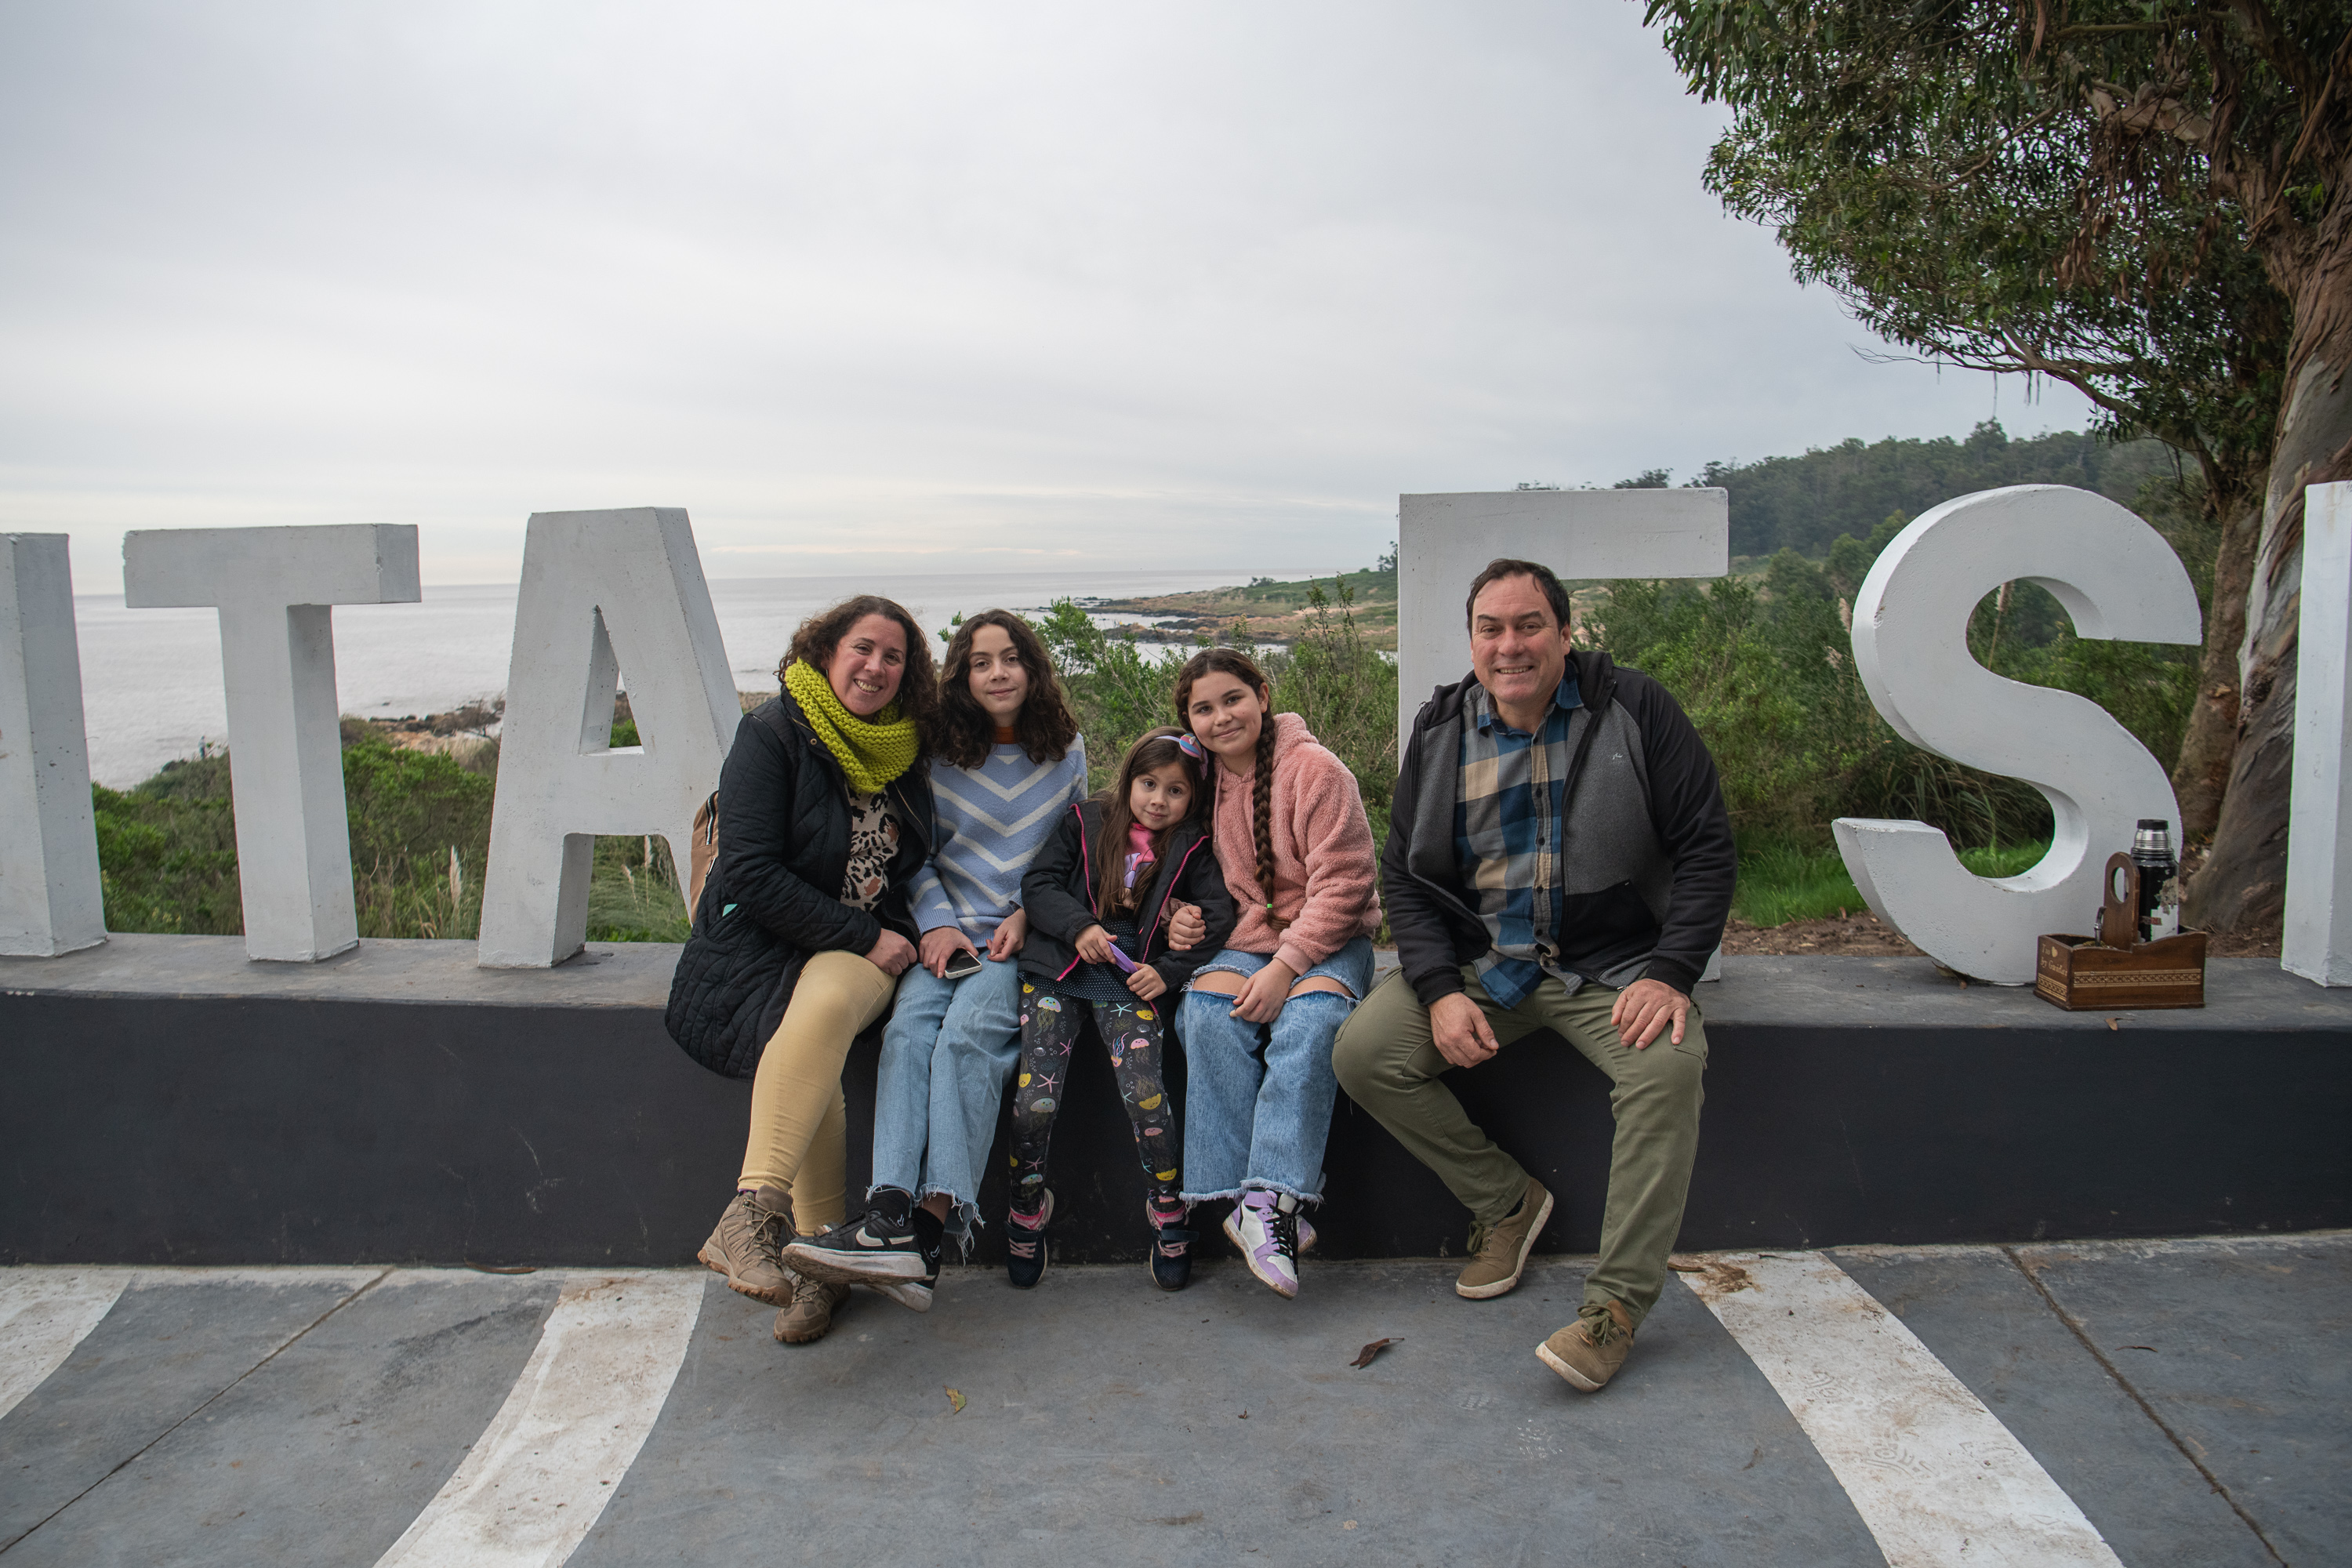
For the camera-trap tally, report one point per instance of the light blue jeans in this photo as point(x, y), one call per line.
point(1258, 1096)
point(946, 1054)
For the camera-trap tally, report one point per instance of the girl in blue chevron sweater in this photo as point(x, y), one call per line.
point(1007, 761)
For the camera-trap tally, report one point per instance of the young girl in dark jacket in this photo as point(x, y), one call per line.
point(1099, 895)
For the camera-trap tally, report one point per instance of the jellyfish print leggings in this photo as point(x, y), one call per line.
point(1136, 1034)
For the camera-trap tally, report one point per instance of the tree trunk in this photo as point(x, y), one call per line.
point(2242, 885)
point(2201, 777)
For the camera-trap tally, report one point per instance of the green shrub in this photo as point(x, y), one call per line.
point(167, 851)
point(634, 895)
point(1344, 689)
point(1781, 881)
point(420, 826)
point(1764, 666)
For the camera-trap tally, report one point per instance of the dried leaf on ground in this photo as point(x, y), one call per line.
point(1364, 1357)
point(955, 1400)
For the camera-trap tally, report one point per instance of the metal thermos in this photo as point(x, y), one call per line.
point(2159, 879)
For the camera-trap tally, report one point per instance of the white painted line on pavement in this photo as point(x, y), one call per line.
point(1934, 1474)
point(43, 1313)
point(543, 1469)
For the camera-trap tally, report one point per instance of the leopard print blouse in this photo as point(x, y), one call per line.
point(873, 843)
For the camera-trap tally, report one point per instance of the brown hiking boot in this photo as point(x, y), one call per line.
point(1498, 1253)
point(815, 1301)
point(747, 1243)
point(1588, 1351)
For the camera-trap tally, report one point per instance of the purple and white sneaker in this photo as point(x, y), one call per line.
point(1264, 1226)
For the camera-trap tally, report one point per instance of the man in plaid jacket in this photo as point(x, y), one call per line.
point(1559, 857)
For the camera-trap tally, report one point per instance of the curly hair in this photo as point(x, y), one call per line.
point(819, 637)
point(1234, 662)
point(964, 731)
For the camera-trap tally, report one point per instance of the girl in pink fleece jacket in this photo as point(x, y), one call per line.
point(1258, 1019)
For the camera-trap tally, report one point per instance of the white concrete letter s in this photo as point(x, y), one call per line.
point(604, 594)
point(2118, 579)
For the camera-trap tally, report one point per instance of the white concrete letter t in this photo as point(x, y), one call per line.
point(274, 588)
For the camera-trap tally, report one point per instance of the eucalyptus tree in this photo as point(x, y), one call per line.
point(2144, 199)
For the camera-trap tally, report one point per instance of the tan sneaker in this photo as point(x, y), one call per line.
point(748, 1244)
point(1498, 1254)
point(1588, 1351)
point(815, 1301)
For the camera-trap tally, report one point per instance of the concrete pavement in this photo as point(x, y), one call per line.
point(2147, 1403)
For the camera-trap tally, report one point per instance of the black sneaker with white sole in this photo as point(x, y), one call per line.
point(1171, 1257)
point(895, 1248)
point(1025, 1245)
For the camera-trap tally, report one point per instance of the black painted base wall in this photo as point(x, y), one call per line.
point(275, 1130)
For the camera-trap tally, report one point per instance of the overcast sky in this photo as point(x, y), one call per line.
point(1019, 287)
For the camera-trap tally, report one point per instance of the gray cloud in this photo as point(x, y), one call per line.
point(1013, 286)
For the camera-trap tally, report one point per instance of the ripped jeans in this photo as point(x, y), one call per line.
point(1136, 1034)
point(1258, 1096)
point(945, 1057)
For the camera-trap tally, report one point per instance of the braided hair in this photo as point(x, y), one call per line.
point(1234, 662)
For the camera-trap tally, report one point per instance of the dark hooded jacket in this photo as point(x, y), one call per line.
point(1059, 887)
point(1647, 854)
point(773, 896)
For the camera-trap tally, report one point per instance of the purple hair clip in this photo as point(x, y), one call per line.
point(1194, 750)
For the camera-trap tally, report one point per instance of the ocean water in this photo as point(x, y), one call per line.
point(151, 679)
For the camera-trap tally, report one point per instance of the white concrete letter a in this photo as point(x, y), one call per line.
point(604, 592)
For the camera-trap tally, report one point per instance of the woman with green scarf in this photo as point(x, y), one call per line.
point(824, 820)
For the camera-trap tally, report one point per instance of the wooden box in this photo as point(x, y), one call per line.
point(2114, 972)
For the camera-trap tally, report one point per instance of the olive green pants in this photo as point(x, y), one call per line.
point(1388, 1063)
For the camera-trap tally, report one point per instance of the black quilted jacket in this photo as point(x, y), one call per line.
point(773, 897)
point(1059, 890)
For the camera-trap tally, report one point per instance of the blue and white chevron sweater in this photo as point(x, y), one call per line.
point(992, 821)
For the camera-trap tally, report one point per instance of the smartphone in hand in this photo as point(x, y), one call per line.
point(963, 965)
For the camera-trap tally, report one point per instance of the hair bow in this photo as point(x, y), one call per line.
point(1194, 750)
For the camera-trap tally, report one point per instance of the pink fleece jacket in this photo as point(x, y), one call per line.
point(1326, 874)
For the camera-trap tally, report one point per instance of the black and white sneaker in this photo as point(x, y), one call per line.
point(895, 1248)
point(930, 1238)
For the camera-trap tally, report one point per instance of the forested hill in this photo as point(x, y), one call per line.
point(1804, 503)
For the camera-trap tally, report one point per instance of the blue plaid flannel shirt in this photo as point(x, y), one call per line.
point(1507, 828)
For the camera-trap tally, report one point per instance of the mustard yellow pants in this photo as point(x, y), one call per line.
point(799, 1124)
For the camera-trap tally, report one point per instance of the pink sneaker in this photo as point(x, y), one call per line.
point(1264, 1229)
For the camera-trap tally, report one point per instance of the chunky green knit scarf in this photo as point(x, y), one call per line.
point(871, 754)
